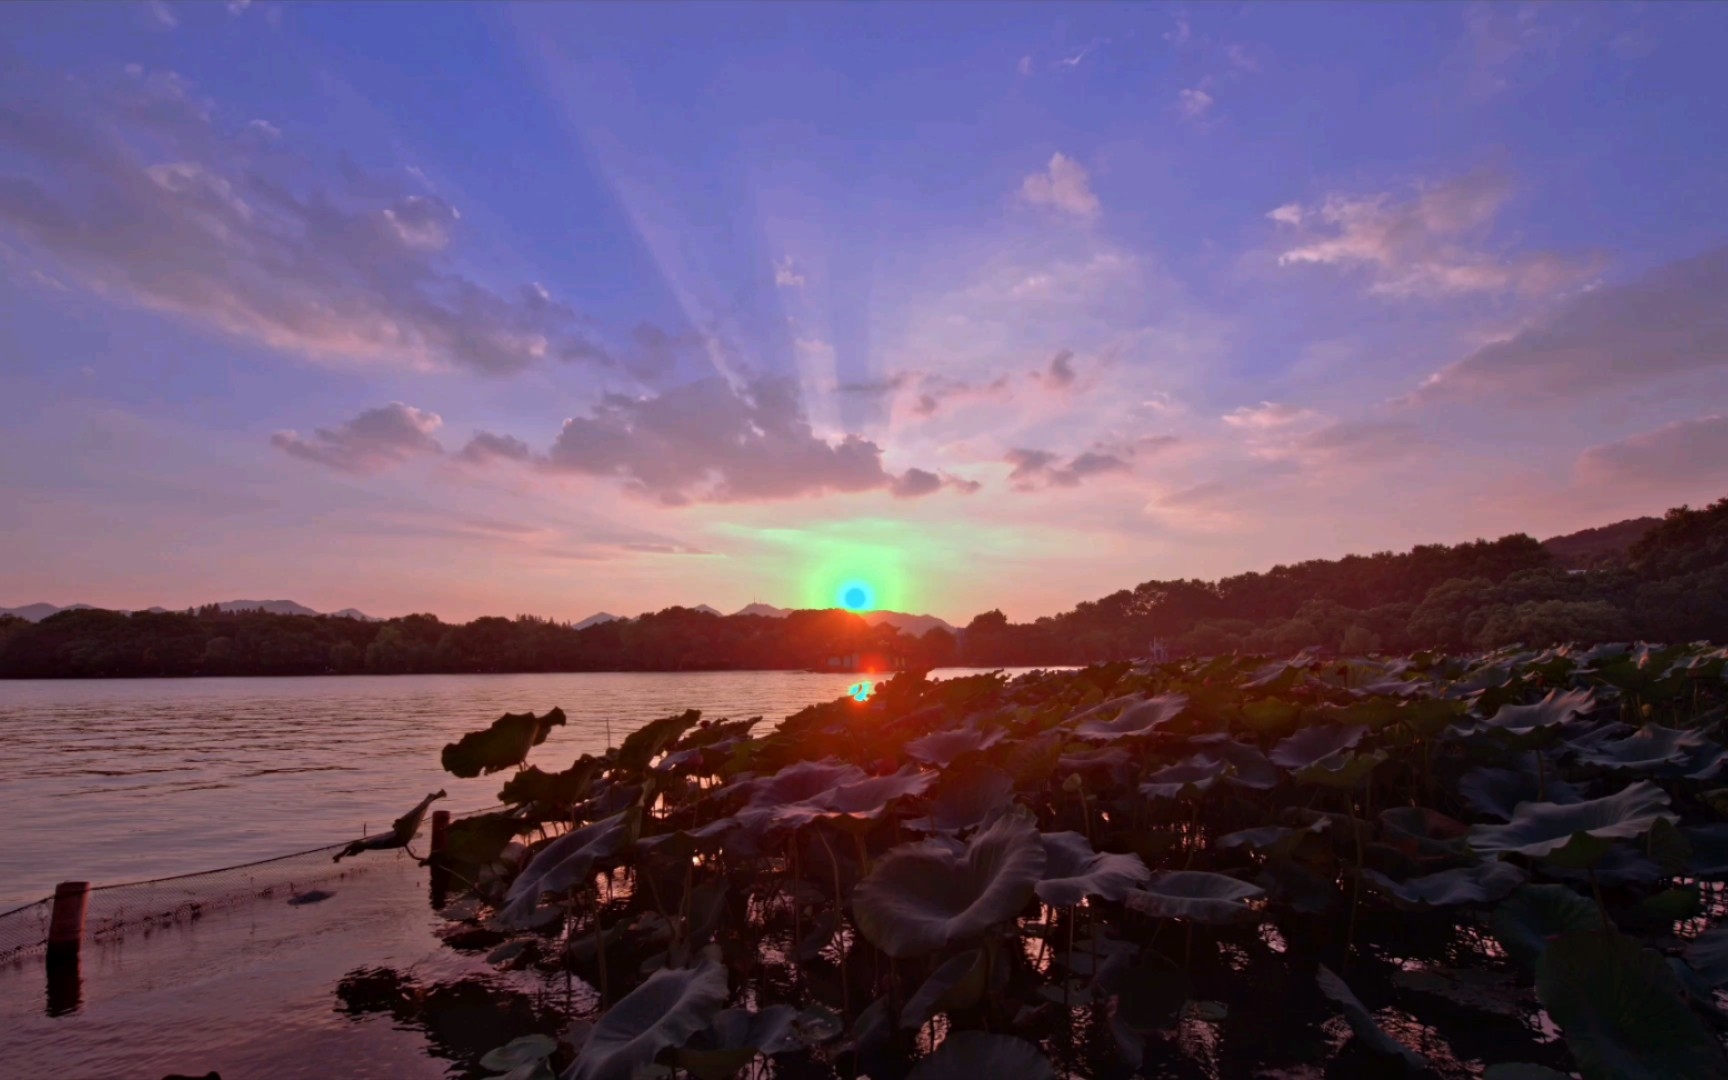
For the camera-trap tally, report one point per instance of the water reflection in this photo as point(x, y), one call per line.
point(462, 1018)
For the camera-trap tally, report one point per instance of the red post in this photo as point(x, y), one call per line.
point(66, 924)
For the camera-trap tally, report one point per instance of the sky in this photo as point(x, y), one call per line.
point(557, 309)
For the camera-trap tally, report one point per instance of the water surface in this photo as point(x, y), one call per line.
point(123, 780)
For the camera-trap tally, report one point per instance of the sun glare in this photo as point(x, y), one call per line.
point(857, 596)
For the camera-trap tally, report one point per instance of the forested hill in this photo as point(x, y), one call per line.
point(1669, 584)
point(1658, 579)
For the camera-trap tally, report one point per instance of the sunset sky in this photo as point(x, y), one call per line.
point(555, 309)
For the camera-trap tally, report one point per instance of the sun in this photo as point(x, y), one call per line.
point(857, 596)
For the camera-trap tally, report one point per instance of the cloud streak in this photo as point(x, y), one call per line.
point(1669, 322)
point(156, 200)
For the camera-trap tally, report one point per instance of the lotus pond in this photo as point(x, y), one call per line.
point(1507, 864)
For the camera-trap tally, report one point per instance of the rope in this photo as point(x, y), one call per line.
point(170, 903)
point(24, 907)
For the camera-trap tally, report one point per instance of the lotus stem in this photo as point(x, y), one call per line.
point(845, 978)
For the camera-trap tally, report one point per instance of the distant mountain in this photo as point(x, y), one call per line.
point(274, 607)
point(706, 608)
point(913, 625)
point(1605, 544)
point(768, 610)
point(596, 619)
point(38, 612)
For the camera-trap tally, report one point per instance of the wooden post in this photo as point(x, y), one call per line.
point(440, 872)
point(66, 924)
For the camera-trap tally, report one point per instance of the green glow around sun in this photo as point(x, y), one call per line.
point(855, 595)
point(853, 573)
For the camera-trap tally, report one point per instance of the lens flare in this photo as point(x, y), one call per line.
point(857, 596)
point(861, 691)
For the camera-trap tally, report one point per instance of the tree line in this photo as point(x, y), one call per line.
point(1668, 582)
point(1665, 581)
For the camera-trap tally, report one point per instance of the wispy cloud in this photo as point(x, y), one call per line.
point(1036, 470)
point(1194, 103)
point(1063, 185)
point(1268, 415)
point(1429, 244)
point(1682, 454)
point(154, 198)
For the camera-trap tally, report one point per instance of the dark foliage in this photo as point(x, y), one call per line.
point(1668, 584)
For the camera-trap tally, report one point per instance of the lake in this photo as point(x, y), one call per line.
point(124, 780)
point(112, 781)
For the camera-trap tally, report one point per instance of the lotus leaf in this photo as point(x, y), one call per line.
point(967, 797)
point(561, 865)
point(646, 742)
point(969, 1055)
point(401, 834)
point(734, 1040)
point(1708, 957)
point(1073, 871)
point(1538, 830)
point(1313, 744)
point(1652, 747)
point(957, 984)
point(943, 747)
point(923, 896)
point(1111, 760)
point(1186, 778)
point(1340, 770)
point(1421, 832)
point(1362, 1021)
point(1620, 1009)
point(1477, 884)
point(518, 1052)
point(799, 781)
point(1524, 721)
point(1497, 792)
point(1197, 895)
point(1279, 838)
point(1248, 767)
point(862, 797)
point(532, 785)
point(1535, 914)
point(1140, 718)
point(504, 744)
point(666, 1010)
point(1709, 850)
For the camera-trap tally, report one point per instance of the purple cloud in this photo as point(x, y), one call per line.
point(375, 440)
point(485, 448)
point(706, 442)
point(1669, 322)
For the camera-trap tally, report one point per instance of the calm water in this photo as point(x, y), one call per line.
point(124, 780)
